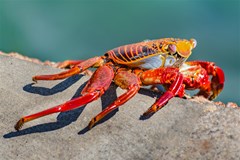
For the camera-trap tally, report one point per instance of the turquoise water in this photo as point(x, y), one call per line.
point(57, 30)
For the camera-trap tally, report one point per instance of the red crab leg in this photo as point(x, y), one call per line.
point(68, 63)
point(218, 78)
point(69, 105)
point(96, 86)
point(92, 62)
point(125, 80)
point(163, 76)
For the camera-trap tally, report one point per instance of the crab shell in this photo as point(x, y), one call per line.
point(153, 54)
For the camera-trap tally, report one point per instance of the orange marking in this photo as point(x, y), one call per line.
point(131, 51)
point(126, 53)
point(158, 44)
point(136, 50)
point(119, 52)
point(115, 58)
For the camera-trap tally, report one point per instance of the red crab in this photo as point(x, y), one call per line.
point(160, 61)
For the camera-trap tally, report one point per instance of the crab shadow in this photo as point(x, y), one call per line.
point(66, 118)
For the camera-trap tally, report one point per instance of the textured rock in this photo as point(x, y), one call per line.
point(183, 129)
point(25, 58)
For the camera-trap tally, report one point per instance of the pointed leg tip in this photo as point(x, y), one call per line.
point(91, 124)
point(34, 79)
point(145, 114)
point(142, 117)
point(19, 124)
point(148, 113)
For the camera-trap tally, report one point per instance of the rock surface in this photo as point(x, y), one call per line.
point(183, 129)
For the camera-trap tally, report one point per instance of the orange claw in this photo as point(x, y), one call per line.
point(217, 82)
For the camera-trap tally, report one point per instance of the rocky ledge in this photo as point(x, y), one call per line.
point(184, 129)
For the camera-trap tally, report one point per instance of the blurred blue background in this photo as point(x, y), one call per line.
point(58, 30)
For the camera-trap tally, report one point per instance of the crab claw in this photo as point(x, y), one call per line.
point(217, 82)
point(213, 88)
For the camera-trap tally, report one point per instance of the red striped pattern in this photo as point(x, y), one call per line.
point(133, 52)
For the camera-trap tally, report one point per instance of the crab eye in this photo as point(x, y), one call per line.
point(193, 42)
point(172, 48)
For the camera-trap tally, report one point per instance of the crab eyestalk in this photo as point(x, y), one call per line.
point(193, 42)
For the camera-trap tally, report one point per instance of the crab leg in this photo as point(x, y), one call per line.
point(69, 105)
point(92, 62)
point(69, 63)
point(125, 80)
point(163, 76)
point(96, 86)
